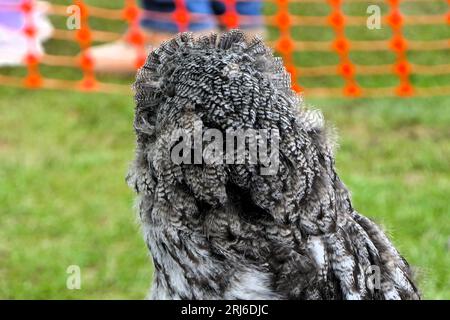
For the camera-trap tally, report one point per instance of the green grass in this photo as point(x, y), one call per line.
point(63, 197)
point(64, 201)
point(64, 155)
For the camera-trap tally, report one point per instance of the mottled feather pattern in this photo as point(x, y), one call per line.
point(227, 231)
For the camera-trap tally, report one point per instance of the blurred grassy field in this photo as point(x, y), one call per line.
point(64, 155)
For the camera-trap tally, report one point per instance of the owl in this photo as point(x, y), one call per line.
point(268, 218)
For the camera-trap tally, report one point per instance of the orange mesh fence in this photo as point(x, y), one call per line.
point(341, 46)
point(282, 20)
point(83, 37)
point(181, 15)
point(398, 44)
point(135, 36)
point(285, 44)
point(33, 78)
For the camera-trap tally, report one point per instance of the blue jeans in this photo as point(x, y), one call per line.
point(204, 14)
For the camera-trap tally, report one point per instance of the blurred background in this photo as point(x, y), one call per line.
point(66, 136)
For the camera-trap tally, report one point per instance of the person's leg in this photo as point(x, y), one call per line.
point(157, 16)
point(250, 19)
point(158, 25)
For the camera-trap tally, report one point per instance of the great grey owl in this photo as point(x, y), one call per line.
point(226, 230)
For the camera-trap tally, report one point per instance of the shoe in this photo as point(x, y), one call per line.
point(122, 57)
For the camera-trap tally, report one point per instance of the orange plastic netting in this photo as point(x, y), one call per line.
point(285, 45)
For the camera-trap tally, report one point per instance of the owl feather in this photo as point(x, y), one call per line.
point(226, 230)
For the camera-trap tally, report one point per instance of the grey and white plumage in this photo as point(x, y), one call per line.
point(226, 231)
